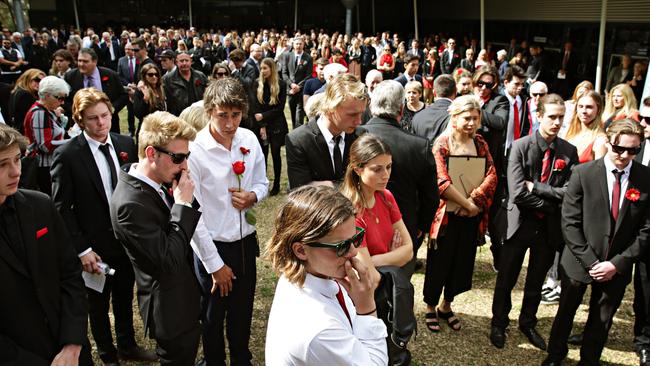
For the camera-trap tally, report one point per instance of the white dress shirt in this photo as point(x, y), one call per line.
point(211, 169)
point(329, 139)
point(307, 326)
point(609, 166)
point(646, 153)
point(102, 163)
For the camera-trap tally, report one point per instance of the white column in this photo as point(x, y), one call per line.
point(76, 15)
point(374, 31)
point(190, 3)
point(295, 16)
point(601, 45)
point(415, 18)
point(482, 24)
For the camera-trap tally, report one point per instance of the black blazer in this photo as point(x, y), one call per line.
point(525, 164)
point(432, 120)
point(246, 75)
point(413, 180)
point(273, 117)
point(308, 157)
point(78, 194)
point(293, 73)
point(157, 241)
point(587, 222)
point(402, 79)
point(494, 121)
point(20, 102)
point(448, 67)
point(43, 304)
point(111, 87)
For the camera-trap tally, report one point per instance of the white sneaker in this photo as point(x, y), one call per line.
point(552, 297)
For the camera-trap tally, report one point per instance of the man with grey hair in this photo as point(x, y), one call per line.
point(373, 77)
point(255, 58)
point(413, 180)
point(536, 90)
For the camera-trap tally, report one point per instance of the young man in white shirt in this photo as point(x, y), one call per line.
point(225, 244)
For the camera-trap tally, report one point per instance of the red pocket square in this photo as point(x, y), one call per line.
point(41, 232)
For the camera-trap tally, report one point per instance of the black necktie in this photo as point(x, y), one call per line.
point(105, 149)
point(338, 160)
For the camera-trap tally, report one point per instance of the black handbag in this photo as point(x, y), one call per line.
point(29, 169)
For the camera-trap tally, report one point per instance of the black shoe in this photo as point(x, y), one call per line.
point(534, 338)
point(419, 264)
point(644, 357)
point(575, 339)
point(498, 337)
point(548, 362)
point(137, 353)
point(274, 191)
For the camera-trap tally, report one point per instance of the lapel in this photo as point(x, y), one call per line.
point(601, 176)
point(88, 160)
point(535, 159)
point(27, 221)
point(323, 149)
point(139, 185)
point(292, 62)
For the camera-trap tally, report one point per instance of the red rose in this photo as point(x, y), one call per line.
point(104, 78)
point(559, 164)
point(238, 167)
point(632, 195)
point(124, 157)
point(244, 150)
point(197, 82)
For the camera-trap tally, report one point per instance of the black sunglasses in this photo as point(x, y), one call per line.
point(485, 84)
point(38, 80)
point(177, 158)
point(136, 50)
point(152, 74)
point(538, 94)
point(630, 150)
point(61, 98)
point(220, 74)
point(645, 119)
point(343, 246)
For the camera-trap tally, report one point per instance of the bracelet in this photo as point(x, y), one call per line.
point(368, 313)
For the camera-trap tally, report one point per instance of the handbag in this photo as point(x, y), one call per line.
point(29, 168)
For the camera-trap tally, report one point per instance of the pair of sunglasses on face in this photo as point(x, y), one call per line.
point(176, 158)
point(481, 83)
point(630, 150)
point(343, 246)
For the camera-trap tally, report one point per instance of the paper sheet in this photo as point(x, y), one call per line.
point(94, 281)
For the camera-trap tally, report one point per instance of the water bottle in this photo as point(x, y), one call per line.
point(106, 269)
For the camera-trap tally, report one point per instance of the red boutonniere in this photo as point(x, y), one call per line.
point(197, 82)
point(456, 55)
point(124, 156)
point(104, 78)
point(632, 195)
point(560, 164)
point(41, 232)
point(244, 150)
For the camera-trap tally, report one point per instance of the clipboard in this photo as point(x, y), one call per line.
point(467, 173)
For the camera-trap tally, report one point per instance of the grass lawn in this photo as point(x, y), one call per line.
point(471, 345)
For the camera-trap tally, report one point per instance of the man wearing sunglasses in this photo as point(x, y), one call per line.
point(606, 225)
point(153, 217)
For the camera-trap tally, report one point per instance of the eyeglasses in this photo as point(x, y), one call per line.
point(136, 50)
point(645, 119)
point(481, 83)
point(220, 74)
point(60, 98)
point(152, 74)
point(343, 246)
point(38, 80)
point(177, 158)
point(630, 150)
point(538, 94)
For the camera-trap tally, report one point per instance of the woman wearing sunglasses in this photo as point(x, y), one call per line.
point(220, 71)
point(23, 96)
point(149, 97)
point(323, 311)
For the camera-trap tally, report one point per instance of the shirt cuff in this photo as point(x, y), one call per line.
point(369, 327)
point(90, 249)
point(213, 264)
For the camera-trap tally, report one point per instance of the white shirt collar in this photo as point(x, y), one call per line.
point(135, 173)
point(325, 286)
point(205, 139)
point(94, 144)
point(325, 131)
point(609, 166)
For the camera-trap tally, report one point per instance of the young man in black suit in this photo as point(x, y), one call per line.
point(44, 309)
point(89, 75)
point(152, 216)
point(539, 167)
point(411, 65)
point(413, 180)
point(84, 175)
point(450, 58)
point(296, 69)
point(318, 152)
point(606, 226)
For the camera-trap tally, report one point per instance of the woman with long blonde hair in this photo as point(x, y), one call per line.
point(268, 120)
point(621, 103)
point(586, 130)
point(570, 105)
point(23, 96)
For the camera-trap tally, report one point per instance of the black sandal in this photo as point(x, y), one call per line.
point(450, 317)
point(431, 321)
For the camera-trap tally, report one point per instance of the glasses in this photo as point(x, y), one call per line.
point(343, 246)
point(630, 150)
point(152, 74)
point(481, 84)
point(38, 80)
point(645, 119)
point(538, 94)
point(177, 158)
point(220, 74)
point(60, 98)
point(136, 50)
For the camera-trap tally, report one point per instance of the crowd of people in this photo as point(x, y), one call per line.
point(393, 144)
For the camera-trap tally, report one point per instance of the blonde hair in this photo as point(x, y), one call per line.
point(465, 103)
point(160, 128)
point(595, 126)
point(194, 116)
point(86, 98)
point(25, 79)
point(415, 85)
point(310, 213)
point(274, 84)
point(341, 88)
point(628, 96)
point(583, 84)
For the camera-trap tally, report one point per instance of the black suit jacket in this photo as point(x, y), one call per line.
point(525, 164)
point(294, 73)
point(256, 68)
point(432, 121)
point(124, 73)
point(43, 304)
point(246, 75)
point(587, 222)
point(448, 67)
point(402, 79)
point(413, 180)
point(308, 157)
point(111, 86)
point(54, 46)
point(157, 241)
point(105, 55)
point(494, 121)
point(78, 194)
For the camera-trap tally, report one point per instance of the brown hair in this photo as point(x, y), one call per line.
point(548, 99)
point(225, 92)
point(86, 98)
point(310, 213)
point(155, 93)
point(487, 70)
point(10, 137)
point(626, 126)
point(25, 79)
point(596, 126)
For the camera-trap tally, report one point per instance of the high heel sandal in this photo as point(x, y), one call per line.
point(451, 318)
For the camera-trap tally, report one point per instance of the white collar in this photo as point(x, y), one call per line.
point(324, 286)
point(135, 173)
point(325, 131)
point(609, 166)
point(94, 144)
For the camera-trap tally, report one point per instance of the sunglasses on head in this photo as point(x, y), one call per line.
point(177, 158)
point(481, 83)
point(152, 74)
point(343, 246)
point(630, 150)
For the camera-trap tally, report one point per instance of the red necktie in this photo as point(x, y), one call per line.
point(616, 193)
point(546, 166)
point(339, 297)
point(516, 121)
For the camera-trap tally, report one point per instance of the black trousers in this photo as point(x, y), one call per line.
point(450, 264)
point(605, 300)
point(497, 223)
point(119, 289)
point(44, 180)
point(641, 305)
point(297, 110)
point(531, 235)
point(130, 117)
point(236, 309)
point(180, 350)
point(275, 155)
